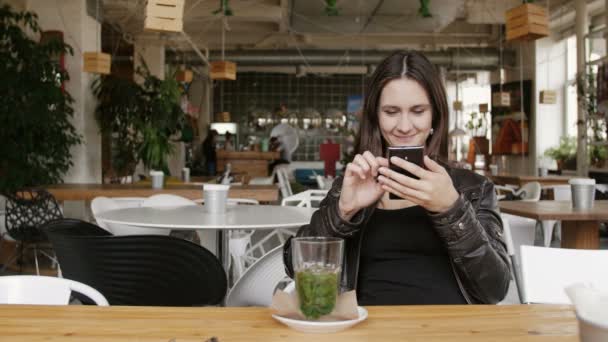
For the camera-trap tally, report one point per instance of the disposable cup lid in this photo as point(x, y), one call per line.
point(156, 173)
point(582, 181)
point(215, 187)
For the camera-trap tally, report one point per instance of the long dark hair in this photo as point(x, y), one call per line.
point(415, 66)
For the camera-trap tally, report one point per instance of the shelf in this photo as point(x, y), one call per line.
point(597, 61)
point(597, 33)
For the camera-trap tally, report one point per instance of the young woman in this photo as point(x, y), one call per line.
point(441, 244)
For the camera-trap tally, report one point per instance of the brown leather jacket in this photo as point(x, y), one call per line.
point(471, 231)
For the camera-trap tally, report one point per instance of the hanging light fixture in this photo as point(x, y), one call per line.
point(457, 105)
point(164, 15)
point(223, 70)
point(97, 62)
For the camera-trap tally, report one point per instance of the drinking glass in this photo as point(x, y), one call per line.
point(317, 262)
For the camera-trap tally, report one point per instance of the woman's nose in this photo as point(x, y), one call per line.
point(404, 124)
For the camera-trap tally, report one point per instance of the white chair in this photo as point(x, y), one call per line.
point(256, 286)
point(305, 198)
point(284, 185)
point(547, 271)
point(530, 192)
point(40, 290)
point(103, 204)
point(515, 269)
point(521, 230)
point(166, 200)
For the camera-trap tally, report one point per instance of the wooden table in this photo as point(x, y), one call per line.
point(86, 192)
point(254, 163)
point(580, 228)
point(385, 323)
point(504, 178)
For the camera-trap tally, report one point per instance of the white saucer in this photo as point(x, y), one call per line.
point(322, 327)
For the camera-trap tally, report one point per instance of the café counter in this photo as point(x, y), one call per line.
point(253, 163)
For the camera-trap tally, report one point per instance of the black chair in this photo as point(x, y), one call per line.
point(26, 212)
point(149, 270)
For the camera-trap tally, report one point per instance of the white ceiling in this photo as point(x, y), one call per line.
point(362, 24)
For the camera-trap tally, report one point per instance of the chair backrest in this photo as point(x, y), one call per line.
point(515, 266)
point(304, 198)
point(40, 290)
point(129, 202)
point(27, 211)
point(531, 191)
point(284, 185)
point(139, 270)
point(166, 200)
point(547, 271)
point(562, 193)
point(256, 286)
point(103, 204)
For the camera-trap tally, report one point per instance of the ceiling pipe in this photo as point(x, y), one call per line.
point(468, 59)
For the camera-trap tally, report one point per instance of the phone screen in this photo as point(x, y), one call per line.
point(413, 154)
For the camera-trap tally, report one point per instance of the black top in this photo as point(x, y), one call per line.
point(403, 261)
point(209, 150)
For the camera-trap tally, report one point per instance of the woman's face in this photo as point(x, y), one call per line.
point(405, 113)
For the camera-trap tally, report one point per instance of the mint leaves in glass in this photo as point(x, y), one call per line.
point(317, 263)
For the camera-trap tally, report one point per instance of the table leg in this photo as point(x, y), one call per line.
point(223, 249)
point(580, 234)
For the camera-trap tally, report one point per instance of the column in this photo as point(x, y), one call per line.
point(581, 27)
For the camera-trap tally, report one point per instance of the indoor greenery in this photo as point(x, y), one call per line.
point(141, 118)
point(564, 153)
point(477, 124)
point(35, 111)
point(595, 124)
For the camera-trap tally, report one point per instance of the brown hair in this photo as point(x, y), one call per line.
point(415, 66)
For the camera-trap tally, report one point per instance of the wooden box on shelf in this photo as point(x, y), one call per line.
point(527, 22)
point(483, 107)
point(501, 99)
point(97, 62)
point(457, 105)
point(222, 70)
point(548, 96)
point(184, 76)
point(164, 15)
point(222, 117)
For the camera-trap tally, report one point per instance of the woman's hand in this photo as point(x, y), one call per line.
point(434, 190)
point(360, 188)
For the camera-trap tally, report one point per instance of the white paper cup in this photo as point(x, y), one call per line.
point(583, 192)
point(157, 179)
point(216, 196)
point(493, 169)
point(186, 175)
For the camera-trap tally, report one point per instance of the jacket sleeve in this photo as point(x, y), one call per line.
point(327, 222)
point(473, 236)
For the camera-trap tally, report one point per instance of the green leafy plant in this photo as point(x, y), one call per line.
point(564, 152)
point(142, 119)
point(424, 11)
point(317, 292)
point(331, 8)
point(477, 124)
point(35, 112)
point(119, 117)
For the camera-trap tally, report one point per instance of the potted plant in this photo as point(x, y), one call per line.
point(141, 119)
point(564, 154)
point(37, 134)
point(477, 125)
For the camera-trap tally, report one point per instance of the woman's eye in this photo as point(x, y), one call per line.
point(391, 112)
point(418, 111)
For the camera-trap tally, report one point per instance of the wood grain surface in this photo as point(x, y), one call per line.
point(388, 323)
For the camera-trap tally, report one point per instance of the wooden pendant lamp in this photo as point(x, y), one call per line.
point(164, 15)
point(97, 62)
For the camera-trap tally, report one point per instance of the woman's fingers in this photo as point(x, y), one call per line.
point(402, 190)
point(354, 169)
point(371, 161)
point(411, 167)
point(434, 166)
point(402, 179)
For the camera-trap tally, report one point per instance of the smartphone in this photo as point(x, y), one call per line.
point(413, 154)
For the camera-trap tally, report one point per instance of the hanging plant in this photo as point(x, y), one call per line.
point(225, 8)
point(331, 8)
point(424, 11)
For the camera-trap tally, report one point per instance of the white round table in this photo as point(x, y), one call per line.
point(195, 217)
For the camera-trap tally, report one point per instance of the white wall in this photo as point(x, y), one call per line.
point(83, 34)
point(550, 74)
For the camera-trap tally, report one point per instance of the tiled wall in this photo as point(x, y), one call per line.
point(268, 91)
